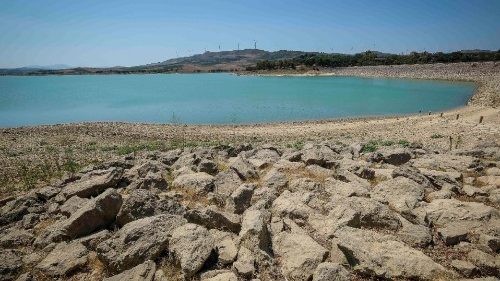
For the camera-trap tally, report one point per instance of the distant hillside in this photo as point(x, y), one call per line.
point(255, 60)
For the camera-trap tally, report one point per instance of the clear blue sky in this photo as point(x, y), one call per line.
point(121, 32)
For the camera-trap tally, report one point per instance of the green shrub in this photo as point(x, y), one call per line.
point(436, 136)
point(404, 143)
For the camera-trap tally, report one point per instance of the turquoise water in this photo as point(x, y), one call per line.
point(216, 98)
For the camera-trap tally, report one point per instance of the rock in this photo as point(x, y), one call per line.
point(225, 245)
point(227, 182)
point(30, 220)
point(186, 160)
point(208, 166)
point(328, 271)
point(143, 203)
point(363, 172)
point(373, 254)
point(254, 233)
point(143, 272)
point(444, 193)
point(199, 182)
point(489, 180)
point(14, 210)
point(211, 217)
point(191, 245)
point(364, 212)
point(16, 237)
point(152, 181)
point(299, 254)
point(444, 211)
point(453, 233)
point(93, 240)
point(291, 205)
point(47, 192)
point(10, 265)
point(487, 263)
point(223, 276)
point(339, 189)
point(493, 243)
point(72, 205)
point(96, 214)
point(304, 184)
point(395, 157)
point(320, 155)
point(244, 168)
point(138, 241)
point(412, 173)
point(401, 194)
point(169, 157)
point(465, 268)
point(275, 179)
point(440, 178)
point(319, 172)
point(414, 235)
point(241, 198)
point(64, 259)
point(245, 264)
point(473, 191)
point(93, 183)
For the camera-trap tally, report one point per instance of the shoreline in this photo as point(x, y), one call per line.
point(32, 149)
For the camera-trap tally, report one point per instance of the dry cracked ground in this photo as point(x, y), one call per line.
point(324, 211)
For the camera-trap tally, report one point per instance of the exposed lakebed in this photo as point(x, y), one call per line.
point(217, 98)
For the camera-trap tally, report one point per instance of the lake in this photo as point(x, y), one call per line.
point(216, 98)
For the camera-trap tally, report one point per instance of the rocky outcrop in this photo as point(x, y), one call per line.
point(265, 213)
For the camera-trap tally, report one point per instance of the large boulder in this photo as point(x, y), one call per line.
point(93, 183)
point(241, 198)
point(373, 254)
point(245, 265)
point(441, 212)
point(199, 182)
point(254, 233)
point(143, 272)
point(191, 245)
point(358, 212)
point(213, 218)
point(138, 241)
point(96, 214)
point(320, 155)
point(64, 259)
point(412, 173)
point(398, 156)
point(299, 254)
point(401, 194)
point(227, 182)
point(72, 205)
point(291, 205)
point(264, 157)
point(226, 247)
point(243, 168)
point(142, 203)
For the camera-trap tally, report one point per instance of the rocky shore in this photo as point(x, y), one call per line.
point(326, 211)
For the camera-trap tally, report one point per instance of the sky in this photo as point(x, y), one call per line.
point(126, 33)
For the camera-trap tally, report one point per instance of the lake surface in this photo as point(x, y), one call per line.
point(216, 98)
